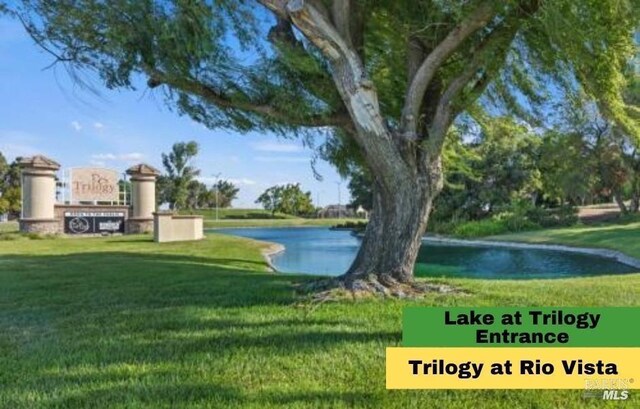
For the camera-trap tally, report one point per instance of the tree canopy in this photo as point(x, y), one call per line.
point(288, 199)
point(10, 185)
point(382, 81)
point(180, 173)
point(224, 66)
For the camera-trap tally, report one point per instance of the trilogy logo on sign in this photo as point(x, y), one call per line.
point(93, 222)
point(607, 389)
point(79, 225)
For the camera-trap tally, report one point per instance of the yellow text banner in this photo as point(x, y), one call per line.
point(513, 368)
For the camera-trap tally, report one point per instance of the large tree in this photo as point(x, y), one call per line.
point(390, 77)
point(288, 199)
point(180, 173)
point(221, 194)
point(226, 191)
point(10, 187)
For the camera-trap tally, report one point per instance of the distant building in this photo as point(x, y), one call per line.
point(361, 212)
point(335, 212)
point(4, 217)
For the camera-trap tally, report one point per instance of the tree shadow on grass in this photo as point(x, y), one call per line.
point(142, 238)
point(203, 394)
point(115, 328)
point(128, 280)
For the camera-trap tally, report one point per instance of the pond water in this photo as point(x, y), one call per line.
point(318, 250)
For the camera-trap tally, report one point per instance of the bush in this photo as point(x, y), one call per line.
point(40, 236)
point(517, 216)
point(561, 217)
point(500, 224)
point(254, 216)
point(360, 225)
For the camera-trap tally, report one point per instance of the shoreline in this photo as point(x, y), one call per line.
point(271, 250)
point(276, 248)
point(611, 254)
point(300, 226)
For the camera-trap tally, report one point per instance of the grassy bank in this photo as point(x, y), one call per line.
point(8, 227)
point(288, 222)
point(123, 322)
point(622, 237)
point(258, 218)
point(242, 214)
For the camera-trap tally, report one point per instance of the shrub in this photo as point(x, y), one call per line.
point(561, 217)
point(500, 224)
point(359, 225)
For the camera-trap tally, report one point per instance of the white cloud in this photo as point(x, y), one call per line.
point(104, 156)
point(18, 143)
point(275, 146)
point(123, 157)
point(210, 180)
point(133, 156)
point(76, 126)
point(13, 150)
point(243, 181)
point(98, 163)
point(290, 159)
point(98, 125)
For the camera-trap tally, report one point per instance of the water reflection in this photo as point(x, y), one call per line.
point(318, 250)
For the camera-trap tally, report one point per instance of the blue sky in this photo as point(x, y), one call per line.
point(43, 112)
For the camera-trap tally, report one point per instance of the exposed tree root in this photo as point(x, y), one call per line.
point(343, 287)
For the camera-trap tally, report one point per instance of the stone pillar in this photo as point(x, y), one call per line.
point(143, 198)
point(39, 195)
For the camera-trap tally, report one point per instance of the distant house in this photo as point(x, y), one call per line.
point(361, 212)
point(335, 212)
point(4, 217)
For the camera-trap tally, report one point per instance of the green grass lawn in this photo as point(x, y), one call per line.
point(233, 213)
point(258, 218)
point(622, 237)
point(8, 227)
point(123, 322)
point(288, 222)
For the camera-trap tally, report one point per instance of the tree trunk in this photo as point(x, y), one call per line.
point(635, 194)
point(392, 240)
point(635, 203)
point(620, 202)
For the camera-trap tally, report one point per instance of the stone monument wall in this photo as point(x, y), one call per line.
point(41, 214)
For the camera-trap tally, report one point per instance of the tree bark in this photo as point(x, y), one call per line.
point(635, 194)
point(393, 237)
point(404, 161)
point(620, 202)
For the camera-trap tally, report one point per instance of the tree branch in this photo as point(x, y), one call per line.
point(348, 20)
point(478, 19)
point(356, 89)
point(213, 96)
point(497, 44)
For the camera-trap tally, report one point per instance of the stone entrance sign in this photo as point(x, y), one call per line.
point(79, 222)
point(94, 185)
point(74, 216)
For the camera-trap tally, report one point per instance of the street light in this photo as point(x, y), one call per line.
point(215, 186)
point(339, 199)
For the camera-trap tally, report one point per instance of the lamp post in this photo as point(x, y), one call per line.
point(217, 176)
point(339, 183)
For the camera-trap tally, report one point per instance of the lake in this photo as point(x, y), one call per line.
point(318, 250)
